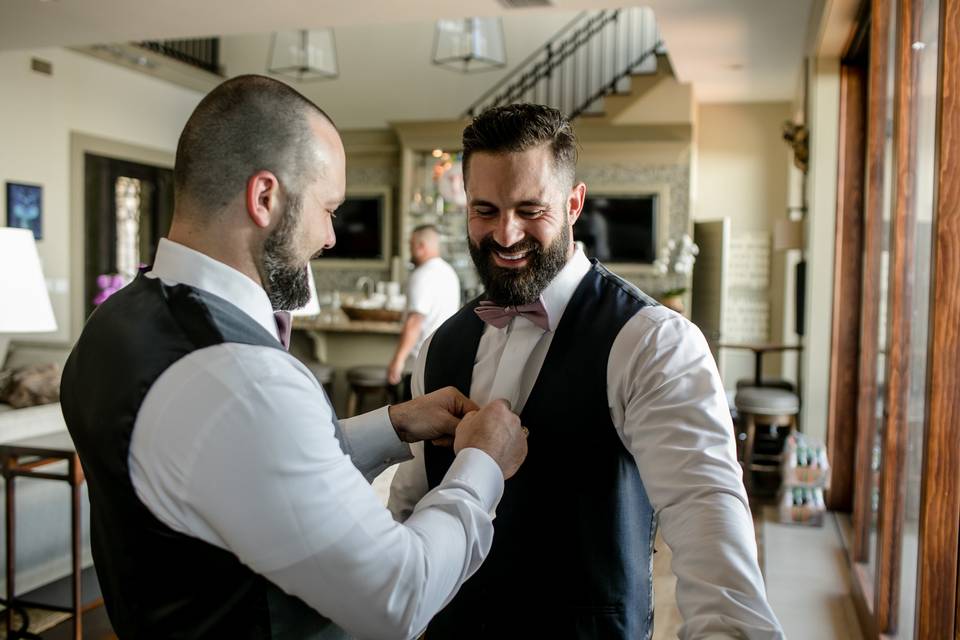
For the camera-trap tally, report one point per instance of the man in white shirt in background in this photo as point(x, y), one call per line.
point(226, 499)
point(433, 295)
point(628, 421)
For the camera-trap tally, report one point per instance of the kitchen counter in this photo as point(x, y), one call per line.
point(347, 343)
point(319, 323)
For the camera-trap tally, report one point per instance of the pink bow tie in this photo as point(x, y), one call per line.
point(284, 326)
point(500, 317)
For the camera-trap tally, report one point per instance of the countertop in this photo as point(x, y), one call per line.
point(318, 323)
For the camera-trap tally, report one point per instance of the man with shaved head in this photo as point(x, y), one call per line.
point(226, 499)
point(433, 295)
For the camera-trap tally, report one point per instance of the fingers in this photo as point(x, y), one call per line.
point(461, 403)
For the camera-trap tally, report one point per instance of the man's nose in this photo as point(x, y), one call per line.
point(509, 230)
point(331, 238)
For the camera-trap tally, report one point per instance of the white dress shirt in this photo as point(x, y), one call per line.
point(433, 291)
point(670, 411)
point(234, 444)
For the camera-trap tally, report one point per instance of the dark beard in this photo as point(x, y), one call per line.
point(515, 287)
point(286, 283)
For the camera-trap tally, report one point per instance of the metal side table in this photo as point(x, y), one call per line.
point(28, 458)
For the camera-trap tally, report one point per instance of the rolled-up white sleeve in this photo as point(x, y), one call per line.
point(669, 405)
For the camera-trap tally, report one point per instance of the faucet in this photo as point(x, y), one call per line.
point(363, 282)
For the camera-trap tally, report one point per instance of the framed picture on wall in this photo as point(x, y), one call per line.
point(25, 207)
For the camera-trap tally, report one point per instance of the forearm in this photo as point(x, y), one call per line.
point(409, 335)
point(381, 579)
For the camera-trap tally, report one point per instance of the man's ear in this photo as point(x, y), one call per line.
point(576, 200)
point(262, 197)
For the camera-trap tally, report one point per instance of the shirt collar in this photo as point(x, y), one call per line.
point(561, 288)
point(179, 264)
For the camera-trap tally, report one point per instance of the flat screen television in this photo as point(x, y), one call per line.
point(619, 228)
point(359, 226)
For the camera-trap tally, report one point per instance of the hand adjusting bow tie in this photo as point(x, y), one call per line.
point(500, 317)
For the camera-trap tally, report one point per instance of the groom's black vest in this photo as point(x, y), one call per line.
point(572, 549)
point(156, 582)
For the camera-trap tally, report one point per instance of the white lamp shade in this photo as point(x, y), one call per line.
point(312, 308)
point(24, 302)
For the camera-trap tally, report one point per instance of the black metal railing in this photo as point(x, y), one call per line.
point(203, 53)
point(592, 56)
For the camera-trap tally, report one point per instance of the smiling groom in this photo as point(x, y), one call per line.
point(628, 422)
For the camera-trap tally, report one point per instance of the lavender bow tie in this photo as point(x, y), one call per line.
point(500, 317)
point(284, 326)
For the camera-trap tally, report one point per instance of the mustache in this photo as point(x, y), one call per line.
point(488, 244)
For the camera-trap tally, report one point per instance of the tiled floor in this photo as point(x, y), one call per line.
point(808, 583)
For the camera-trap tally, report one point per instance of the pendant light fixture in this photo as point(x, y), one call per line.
point(303, 55)
point(469, 44)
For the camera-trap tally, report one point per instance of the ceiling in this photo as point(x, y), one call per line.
point(731, 50)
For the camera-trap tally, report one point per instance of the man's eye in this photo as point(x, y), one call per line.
point(484, 212)
point(531, 213)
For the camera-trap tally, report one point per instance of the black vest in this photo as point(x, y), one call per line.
point(572, 550)
point(156, 582)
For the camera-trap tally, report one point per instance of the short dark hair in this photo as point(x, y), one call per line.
point(519, 127)
point(247, 124)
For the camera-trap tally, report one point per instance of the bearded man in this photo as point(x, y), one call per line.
point(628, 420)
point(226, 500)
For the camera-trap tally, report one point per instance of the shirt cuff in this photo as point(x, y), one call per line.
point(476, 469)
point(374, 442)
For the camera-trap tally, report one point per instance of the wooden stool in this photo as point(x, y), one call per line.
point(324, 375)
point(365, 381)
point(766, 383)
point(772, 409)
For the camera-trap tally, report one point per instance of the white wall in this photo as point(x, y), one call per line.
point(38, 114)
point(742, 168)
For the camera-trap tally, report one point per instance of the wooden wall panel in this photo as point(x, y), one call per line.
point(847, 277)
point(940, 500)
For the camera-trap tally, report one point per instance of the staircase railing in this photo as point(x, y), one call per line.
point(203, 53)
point(590, 57)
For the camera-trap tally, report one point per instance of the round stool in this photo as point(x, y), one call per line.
point(324, 375)
point(365, 381)
point(766, 383)
point(772, 409)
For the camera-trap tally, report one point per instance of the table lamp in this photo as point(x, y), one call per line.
point(24, 301)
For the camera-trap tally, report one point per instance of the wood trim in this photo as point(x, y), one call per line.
point(870, 300)
point(940, 498)
point(902, 248)
point(845, 347)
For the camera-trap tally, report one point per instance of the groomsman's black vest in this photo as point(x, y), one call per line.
point(156, 582)
point(573, 544)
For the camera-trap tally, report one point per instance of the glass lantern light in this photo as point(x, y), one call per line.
point(304, 55)
point(469, 44)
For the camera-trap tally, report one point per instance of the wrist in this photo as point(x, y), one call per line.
point(397, 416)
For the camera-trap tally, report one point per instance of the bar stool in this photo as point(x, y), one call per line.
point(766, 383)
point(765, 407)
point(365, 381)
point(324, 375)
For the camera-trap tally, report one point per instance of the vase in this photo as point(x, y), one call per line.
point(673, 302)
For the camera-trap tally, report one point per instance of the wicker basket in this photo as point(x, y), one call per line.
point(372, 315)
